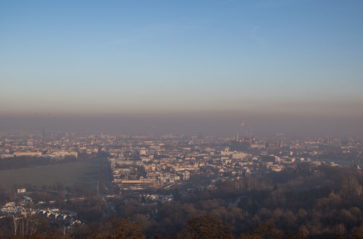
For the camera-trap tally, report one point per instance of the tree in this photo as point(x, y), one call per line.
point(302, 233)
point(206, 227)
point(118, 229)
point(263, 231)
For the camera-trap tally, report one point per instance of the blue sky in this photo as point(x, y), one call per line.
point(141, 56)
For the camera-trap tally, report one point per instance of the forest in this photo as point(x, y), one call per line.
point(300, 202)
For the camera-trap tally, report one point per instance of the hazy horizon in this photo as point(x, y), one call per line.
point(122, 57)
point(209, 124)
point(182, 66)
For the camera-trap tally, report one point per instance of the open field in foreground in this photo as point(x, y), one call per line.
point(70, 173)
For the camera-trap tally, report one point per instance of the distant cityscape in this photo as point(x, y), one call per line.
point(139, 162)
point(149, 168)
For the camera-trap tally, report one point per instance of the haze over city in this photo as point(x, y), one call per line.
point(181, 119)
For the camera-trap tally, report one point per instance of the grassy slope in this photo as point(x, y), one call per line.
point(83, 172)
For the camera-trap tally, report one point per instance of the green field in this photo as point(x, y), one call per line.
point(69, 174)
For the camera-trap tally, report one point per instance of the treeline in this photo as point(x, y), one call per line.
point(202, 227)
point(301, 202)
point(319, 202)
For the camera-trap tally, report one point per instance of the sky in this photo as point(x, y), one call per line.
point(111, 57)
